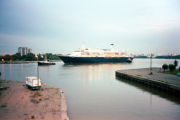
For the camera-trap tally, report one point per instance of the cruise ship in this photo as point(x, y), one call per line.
point(88, 55)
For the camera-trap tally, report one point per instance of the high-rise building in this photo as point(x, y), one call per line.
point(29, 50)
point(20, 51)
point(24, 50)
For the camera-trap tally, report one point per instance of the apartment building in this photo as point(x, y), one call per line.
point(24, 50)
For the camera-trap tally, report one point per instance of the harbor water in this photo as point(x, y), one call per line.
point(94, 93)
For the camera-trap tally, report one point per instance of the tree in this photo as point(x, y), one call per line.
point(165, 67)
point(30, 57)
point(7, 57)
point(172, 67)
point(48, 55)
point(40, 57)
point(1, 57)
point(23, 57)
point(54, 57)
point(16, 56)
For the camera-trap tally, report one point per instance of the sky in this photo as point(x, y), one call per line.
point(61, 26)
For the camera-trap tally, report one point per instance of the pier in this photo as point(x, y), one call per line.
point(19, 102)
point(163, 81)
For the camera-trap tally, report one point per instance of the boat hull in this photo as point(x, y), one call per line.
point(43, 63)
point(68, 59)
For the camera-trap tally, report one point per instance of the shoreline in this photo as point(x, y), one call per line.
point(26, 62)
point(19, 102)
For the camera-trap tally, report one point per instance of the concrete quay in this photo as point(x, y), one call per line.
point(164, 81)
point(20, 103)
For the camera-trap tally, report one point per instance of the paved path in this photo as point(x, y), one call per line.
point(144, 72)
point(20, 103)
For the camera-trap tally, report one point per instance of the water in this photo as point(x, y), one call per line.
point(94, 93)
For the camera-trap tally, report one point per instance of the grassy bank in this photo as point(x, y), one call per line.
point(174, 72)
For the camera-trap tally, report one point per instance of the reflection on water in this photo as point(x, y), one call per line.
point(154, 91)
point(17, 71)
point(93, 92)
point(96, 71)
point(45, 70)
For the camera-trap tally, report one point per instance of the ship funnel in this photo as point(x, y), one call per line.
point(83, 46)
point(112, 47)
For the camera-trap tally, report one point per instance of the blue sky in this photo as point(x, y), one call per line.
point(60, 26)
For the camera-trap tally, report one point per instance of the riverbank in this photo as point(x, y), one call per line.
point(157, 79)
point(26, 62)
point(18, 102)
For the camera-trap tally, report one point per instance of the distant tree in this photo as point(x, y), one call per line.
point(40, 57)
point(48, 55)
point(171, 67)
point(165, 67)
point(7, 57)
point(15, 56)
point(54, 57)
point(18, 55)
point(1, 57)
point(23, 57)
point(30, 57)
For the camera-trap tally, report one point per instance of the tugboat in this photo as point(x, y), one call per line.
point(45, 62)
point(129, 60)
point(88, 55)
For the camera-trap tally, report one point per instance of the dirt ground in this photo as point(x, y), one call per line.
point(20, 103)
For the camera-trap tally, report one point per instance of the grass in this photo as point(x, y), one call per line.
point(160, 80)
point(36, 94)
point(174, 72)
point(139, 75)
point(151, 73)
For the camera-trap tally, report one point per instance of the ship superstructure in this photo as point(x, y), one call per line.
point(88, 55)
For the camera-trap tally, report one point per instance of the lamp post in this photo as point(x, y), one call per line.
point(151, 62)
point(37, 72)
